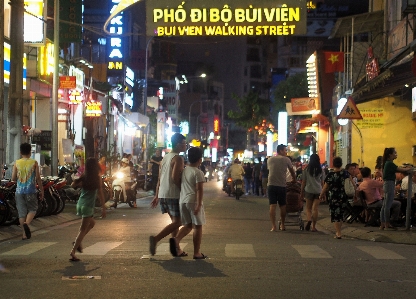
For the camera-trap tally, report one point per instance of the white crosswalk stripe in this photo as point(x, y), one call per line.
point(381, 253)
point(101, 248)
point(312, 252)
point(163, 248)
point(28, 248)
point(239, 250)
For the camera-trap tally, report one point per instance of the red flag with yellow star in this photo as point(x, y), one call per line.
point(334, 62)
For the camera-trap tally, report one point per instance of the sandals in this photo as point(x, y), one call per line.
point(308, 226)
point(203, 257)
point(182, 254)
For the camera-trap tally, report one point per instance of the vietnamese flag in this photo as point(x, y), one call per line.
point(334, 62)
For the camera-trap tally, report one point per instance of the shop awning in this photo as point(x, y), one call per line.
point(387, 83)
point(356, 24)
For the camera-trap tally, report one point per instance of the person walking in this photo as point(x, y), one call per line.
point(191, 206)
point(248, 177)
point(312, 183)
point(276, 187)
point(168, 190)
point(26, 174)
point(264, 171)
point(389, 179)
point(155, 160)
point(257, 178)
point(334, 185)
point(91, 187)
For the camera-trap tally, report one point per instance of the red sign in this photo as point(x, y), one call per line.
point(69, 82)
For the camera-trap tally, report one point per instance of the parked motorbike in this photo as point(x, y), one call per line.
point(119, 184)
point(107, 190)
point(66, 191)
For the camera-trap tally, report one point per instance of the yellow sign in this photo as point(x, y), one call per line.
point(350, 111)
point(226, 18)
point(112, 65)
point(373, 118)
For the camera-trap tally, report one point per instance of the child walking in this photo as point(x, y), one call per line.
point(90, 183)
point(191, 206)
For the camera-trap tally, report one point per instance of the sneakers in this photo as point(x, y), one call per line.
point(247, 193)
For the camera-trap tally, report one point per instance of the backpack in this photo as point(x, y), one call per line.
point(349, 187)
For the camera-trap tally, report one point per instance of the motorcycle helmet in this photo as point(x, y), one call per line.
point(125, 160)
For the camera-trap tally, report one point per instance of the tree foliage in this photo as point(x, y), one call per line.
point(295, 86)
point(252, 110)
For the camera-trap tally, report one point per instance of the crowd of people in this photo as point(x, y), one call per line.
point(179, 191)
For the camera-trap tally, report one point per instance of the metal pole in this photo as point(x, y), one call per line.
point(54, 153)
point(15, 101)
point(2, 143)
point(409, 201)
point(146, 150)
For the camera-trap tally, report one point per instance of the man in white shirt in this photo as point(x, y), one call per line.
point(276, 186)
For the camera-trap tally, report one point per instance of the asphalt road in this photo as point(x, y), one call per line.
point(246, 260)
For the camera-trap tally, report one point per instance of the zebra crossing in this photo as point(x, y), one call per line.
point(231, 251)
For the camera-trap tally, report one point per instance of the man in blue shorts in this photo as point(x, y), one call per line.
point(276, 186)
point(168, 189)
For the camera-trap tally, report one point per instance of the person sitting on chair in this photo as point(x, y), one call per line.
point(373, 190)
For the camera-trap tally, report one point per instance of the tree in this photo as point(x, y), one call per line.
point(252, 112)
point(295, 86)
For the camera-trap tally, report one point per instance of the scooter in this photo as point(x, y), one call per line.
point(119, 184)
point(238, 189)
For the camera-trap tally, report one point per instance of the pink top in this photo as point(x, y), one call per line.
point(372, 189)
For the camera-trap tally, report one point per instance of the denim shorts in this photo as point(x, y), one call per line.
point(170, 206)
point(26, 203)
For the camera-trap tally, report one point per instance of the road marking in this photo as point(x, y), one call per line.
point(163, 248)
point(312, 252)
point(29, 248)
point(381, 253)
point(101, 248)
point(239, 250)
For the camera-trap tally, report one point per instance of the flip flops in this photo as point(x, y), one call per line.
point(308, 226)
point(152, 245)
point(172, 247)
point(203, 257)
point(27, 231)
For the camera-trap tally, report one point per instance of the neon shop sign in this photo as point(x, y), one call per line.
point(115, 58)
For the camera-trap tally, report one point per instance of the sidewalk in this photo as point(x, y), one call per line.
point(69, 215)
point(357, 230)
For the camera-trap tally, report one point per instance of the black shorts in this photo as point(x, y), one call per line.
point(277, 194)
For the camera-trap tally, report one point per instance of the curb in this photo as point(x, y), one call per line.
point(399, 236)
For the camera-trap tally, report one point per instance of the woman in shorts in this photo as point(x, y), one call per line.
point(90, 184)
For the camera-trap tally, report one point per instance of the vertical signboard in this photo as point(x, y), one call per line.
point(71, 12)
point(115, 43)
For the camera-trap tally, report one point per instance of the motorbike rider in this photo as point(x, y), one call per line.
point(126, 171)
point(236, 171)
